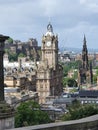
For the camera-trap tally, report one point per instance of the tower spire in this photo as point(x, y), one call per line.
point(85, 55)
point(84, 39)
point(85, 70)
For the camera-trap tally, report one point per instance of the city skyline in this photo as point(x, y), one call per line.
point(22, 19)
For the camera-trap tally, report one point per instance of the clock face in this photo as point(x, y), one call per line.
point(48, 43)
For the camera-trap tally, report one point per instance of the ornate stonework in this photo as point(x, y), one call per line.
point(85, 69)
point(49, 72)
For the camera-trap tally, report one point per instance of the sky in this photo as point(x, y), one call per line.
point(71, 19)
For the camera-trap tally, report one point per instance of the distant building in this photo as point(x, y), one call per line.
point(30, 48)
point(14, 96)
point(84, 96)
point(44, 76)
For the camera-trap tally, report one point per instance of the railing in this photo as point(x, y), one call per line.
point(89, 123)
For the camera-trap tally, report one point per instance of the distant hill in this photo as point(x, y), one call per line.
point(77, 50)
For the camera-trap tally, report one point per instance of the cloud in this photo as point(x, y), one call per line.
point(70, 38)
point(22, 19)
point(91, 5)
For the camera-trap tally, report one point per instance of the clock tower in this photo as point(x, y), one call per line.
point(49, 72)
point(50, 47)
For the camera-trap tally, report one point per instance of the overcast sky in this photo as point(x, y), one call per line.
point(71, 19)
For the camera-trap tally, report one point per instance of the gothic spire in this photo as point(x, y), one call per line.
point(84, 39)
point(84, 45)
point(85, 54)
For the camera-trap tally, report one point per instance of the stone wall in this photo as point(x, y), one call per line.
point(89, 123)
point(6, 123)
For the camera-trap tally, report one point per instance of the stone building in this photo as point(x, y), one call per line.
point(25, 79)
point(30, 48)
point(85, 75)
point(49, 72)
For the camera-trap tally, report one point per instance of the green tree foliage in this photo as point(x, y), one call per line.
point(70, 65)
point(21, 55)
point(94, 78)
point(64, 81)
point(29, 113)
point(6, 51)
point(97, 72)
point(12, 57)
point(75, 76)
point(80, 111)
point(70, 82)
point(10, 40)
point(66, 68)
point(75, 104)
point(95, 67)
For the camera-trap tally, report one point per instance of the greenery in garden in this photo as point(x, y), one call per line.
point(70, 82)
point(29, 113)
point(13, 57)
point(73, 67)
point(21, 55)
point(10, 40)
point(77, 111)
point(70, 65)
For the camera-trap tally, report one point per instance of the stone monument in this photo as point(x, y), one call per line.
point(6, 111)
point(85, 76)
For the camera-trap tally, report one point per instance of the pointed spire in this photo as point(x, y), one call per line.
point(84, 40)
point(84, 43)
point(85, 54)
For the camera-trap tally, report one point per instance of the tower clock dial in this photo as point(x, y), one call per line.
point(48, 43)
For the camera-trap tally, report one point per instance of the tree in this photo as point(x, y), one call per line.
point(70, 65)
point(75, 76)
point(21, 55)
point(12, 57)
point(81, 111)
point(29, 113)
point(94, 78)
point(65, 81)
point(71, 82)
point(6, 51)
point(10, 40)
point(97, 72)
point(65, 70)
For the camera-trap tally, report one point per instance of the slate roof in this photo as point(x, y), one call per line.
point(88, 93)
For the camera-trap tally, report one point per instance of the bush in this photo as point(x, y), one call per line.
point(29, 113)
